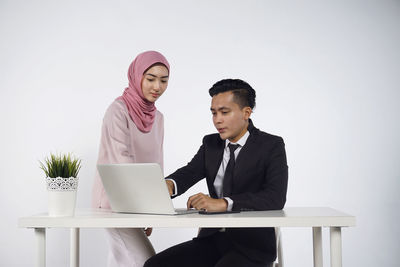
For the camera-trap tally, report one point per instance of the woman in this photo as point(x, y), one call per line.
point(133, 132)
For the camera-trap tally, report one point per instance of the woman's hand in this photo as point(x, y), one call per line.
point(148, 231)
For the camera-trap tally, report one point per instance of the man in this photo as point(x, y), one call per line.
point(245, 170)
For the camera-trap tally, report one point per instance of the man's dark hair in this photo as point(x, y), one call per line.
point(244, 94)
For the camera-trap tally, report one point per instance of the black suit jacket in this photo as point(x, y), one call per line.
point(259, 183)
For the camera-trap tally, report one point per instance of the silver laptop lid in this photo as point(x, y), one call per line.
point(136, 188)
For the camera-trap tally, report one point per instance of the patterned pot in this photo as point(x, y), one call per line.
point(61, 196)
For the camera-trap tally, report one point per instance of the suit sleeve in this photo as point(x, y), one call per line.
point(272, 194)
point(190, 174)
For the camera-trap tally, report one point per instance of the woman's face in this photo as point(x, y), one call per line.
point(154, 82)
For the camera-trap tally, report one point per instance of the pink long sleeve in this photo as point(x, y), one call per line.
point(122, 142)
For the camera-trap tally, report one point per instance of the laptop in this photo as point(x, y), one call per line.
point(138, 188)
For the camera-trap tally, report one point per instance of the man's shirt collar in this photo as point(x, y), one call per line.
point(241, 141)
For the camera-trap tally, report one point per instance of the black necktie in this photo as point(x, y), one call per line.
point(228, 177)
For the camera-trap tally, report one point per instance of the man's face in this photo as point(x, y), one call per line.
point(229, 119)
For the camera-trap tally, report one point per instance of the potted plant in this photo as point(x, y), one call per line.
point(62, 182)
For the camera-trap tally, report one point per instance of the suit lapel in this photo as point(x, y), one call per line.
point(245, 152)
point(215, 155)
point(248, 149)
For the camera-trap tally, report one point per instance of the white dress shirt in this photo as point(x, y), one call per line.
point(219, 178)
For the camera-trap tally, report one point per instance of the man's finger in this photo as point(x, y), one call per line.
point(194, 203)
point(192, 199)
point(200, 202)
point(189, 202)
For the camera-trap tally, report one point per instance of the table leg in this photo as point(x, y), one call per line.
point(317, 246)
point(74, 248)
point(40, 234)
point(336, 247)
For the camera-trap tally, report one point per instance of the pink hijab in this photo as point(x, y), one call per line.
point(141, 111)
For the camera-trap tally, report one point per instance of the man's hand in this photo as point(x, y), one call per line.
point(201, 201)
point(148, 231)
point(171, 187)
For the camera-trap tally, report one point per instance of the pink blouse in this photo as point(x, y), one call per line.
point(122, 142)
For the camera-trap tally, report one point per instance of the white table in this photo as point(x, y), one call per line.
point(316, 218)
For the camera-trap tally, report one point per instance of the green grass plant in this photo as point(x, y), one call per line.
point(58, 165)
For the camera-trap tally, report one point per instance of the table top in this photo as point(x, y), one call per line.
point(288, 217)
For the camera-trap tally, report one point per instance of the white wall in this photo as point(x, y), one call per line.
point(327, 80)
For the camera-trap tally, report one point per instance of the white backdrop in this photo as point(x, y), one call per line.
point(327, 81)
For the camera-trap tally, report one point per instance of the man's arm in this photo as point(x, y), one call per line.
point(188, 175)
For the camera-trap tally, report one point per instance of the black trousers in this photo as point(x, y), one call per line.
point(212, 251)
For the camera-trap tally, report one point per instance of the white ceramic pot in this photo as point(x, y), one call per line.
point(61, 196)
